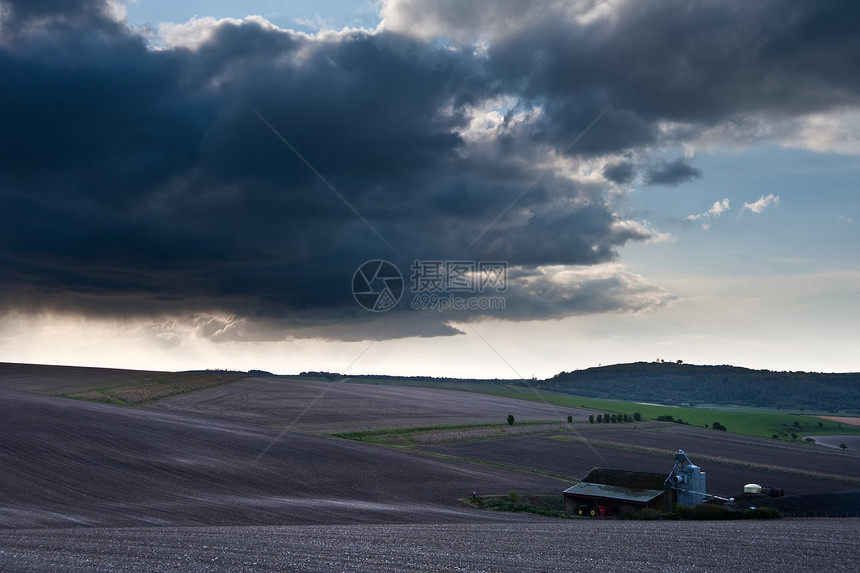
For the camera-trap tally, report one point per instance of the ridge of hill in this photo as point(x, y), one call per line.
point(689, 384)
point(666, 383)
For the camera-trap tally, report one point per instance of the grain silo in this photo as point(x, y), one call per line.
point(688, 480)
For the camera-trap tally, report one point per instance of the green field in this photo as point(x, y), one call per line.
point(750, 421)
point(143, 387)
point(765, 422)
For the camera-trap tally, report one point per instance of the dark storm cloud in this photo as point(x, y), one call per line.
point(27, 12)
point(671, 173)
point(139, 182)
point(700, 63)
point(621, 173)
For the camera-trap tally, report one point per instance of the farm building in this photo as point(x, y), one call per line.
point(608, 492)
point(605, 492)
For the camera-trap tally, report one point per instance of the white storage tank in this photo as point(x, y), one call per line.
point(752, 488)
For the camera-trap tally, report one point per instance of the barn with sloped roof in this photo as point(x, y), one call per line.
point(607, 492)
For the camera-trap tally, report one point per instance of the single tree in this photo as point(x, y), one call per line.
point(600, 418)
point(591, 418)
point(637, 416)
point(570, 419)
point(511, 419)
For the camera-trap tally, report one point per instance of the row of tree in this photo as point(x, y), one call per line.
point(614, 418)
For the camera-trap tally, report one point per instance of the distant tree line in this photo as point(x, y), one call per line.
point(673, 383)
point(320, 374)
point(335, 376)
point(610, 418)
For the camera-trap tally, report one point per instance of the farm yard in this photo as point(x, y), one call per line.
point(575, 456)
point(251, 475)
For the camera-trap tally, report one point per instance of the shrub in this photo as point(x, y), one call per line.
point(649, 514)
point(511, 419)
point(512, 496)
point(843, 446)
point(709, 511)
point(718, 426)
point(706, 511)
point(637, 416)
point(762, 513)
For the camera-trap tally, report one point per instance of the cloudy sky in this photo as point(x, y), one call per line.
point(197, 184)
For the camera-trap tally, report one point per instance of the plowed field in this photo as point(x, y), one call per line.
point(246, 477)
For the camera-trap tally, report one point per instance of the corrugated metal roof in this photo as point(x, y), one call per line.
point(614, 492)
point(626, 479)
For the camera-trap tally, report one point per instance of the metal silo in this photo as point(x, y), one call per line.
point(688, 480)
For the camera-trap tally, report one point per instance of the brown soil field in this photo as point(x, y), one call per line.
point(69, 462)
point(575, 458)
point(533, 545)
point(338, 406)
point(109, 385)
point(709, 443)
point(852, 442)
point(844, 419)
point(38, 377)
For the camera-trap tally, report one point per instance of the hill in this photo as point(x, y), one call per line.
point(680, 384)
point(250, 474)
